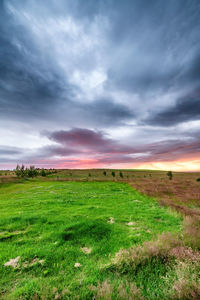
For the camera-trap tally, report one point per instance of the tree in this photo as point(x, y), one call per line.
point(17, 171)
point(170, 175)
point(43, 173)
point(30, 171)
point(23, 171)
point(26, 172)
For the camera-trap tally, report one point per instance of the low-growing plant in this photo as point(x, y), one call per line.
point(130, 259)
point(170, 175)
point(43, 173)
point(31, 172)
point(113, 173)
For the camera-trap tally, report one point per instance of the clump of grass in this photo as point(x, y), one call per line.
point(128, 259)
point(183, 281)
point(192, 231)
point(164, 268)
point(116, 290)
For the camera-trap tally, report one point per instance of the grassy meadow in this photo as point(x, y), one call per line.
point(84, 234)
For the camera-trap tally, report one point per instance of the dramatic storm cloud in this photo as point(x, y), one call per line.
point(103, 83)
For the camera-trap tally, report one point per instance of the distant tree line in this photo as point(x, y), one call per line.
point(32, 172)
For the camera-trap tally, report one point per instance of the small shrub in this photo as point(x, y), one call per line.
point(89, 175)
point(104, 173)
point(170, 175)
point(31, 172)
point(18, 171)
point(43, 173)
point(121, 174)
point(113, 173)
point(198, 179)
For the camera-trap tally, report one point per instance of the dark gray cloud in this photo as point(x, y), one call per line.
point(185, 109)
point(33, 85)
point(158, 50)
point(5, 150)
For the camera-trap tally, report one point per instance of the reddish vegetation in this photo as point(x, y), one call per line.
point(182, 189)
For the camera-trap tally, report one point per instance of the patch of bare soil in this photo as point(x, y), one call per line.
point(86, 250)
point(13, 262)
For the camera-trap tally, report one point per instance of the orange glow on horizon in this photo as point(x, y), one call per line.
point(87, 163)
point(187, 166)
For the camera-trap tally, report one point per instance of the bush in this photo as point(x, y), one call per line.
point(21, 171)
point(18, 171)
point(170, 175)
point(121, 174)
point(31, 172)
point(104, 173)
point(198, 179)
point(43, 173)
point(113, 173)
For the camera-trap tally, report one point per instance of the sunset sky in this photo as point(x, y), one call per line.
point(100, 83)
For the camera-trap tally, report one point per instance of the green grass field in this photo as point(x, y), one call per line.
point(67, 234)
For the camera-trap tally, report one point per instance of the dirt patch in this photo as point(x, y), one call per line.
point(111, 220)
point(13, 262)
point(77, 265)
point(86, 250)
point(131, 223)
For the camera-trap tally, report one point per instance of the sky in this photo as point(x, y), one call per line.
point(100, 84)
